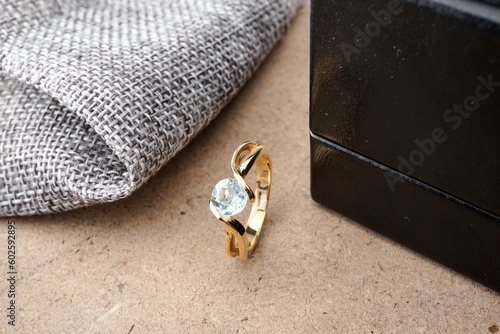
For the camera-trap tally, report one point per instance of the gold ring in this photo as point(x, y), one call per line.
point(230, 196)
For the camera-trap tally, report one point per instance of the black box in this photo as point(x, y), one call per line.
point(405, 124)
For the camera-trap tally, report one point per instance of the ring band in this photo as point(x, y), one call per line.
point(230, 196)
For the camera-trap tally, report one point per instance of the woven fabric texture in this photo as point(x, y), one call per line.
point(95, 96)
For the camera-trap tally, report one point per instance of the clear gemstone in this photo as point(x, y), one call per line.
point(229, 197)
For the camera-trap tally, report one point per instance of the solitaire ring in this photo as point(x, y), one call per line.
point(230, 196)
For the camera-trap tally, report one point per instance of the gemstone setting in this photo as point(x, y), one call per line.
point(229, 197)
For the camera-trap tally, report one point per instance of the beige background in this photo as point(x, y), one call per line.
point(154, 262)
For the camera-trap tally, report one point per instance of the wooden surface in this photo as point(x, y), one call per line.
point(154, 262)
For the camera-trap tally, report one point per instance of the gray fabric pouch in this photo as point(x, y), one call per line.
point(95, 96)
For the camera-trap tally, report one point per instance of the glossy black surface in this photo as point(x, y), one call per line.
point(375, 108)
point(396, 89)
point(421, 218)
